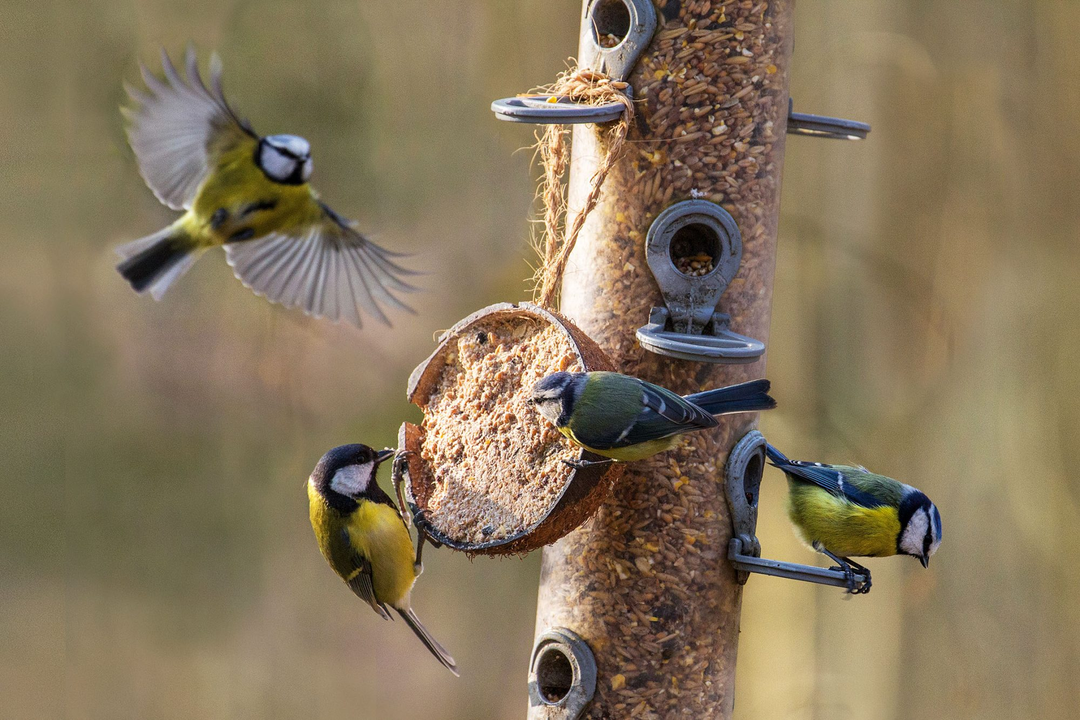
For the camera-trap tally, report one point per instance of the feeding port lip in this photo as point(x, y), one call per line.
point(694, 249)
point(614, 33)
point(562, 676)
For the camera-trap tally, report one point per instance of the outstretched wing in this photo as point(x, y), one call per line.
point(180, 126)
point(359, 578)
point(324, 266)
point(835, 480)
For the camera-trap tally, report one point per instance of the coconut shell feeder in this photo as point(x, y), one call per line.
point(485, 471)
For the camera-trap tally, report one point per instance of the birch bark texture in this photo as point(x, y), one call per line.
point(646, 582)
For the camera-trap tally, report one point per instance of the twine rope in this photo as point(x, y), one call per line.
point(588, 87)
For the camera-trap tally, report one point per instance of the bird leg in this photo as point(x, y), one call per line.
point(397, 476)
point(849, 568)
point(418, 563)
point(582, 464)
point(416, 515)
point(865, 571)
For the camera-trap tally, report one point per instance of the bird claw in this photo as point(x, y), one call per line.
point(866, 585)
point(853, 587)
point(849, 568)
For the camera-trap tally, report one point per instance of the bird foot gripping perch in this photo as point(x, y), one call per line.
point(743, 472)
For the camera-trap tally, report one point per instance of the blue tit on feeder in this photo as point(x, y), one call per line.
point(364, 538)
point(624, 418)
point(250, 195)
point(843, 511)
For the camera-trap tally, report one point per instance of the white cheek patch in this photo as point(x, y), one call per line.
point(933, 547)
point(306, 172)
point(275, 164)
point(352, 480)
point(911, 542)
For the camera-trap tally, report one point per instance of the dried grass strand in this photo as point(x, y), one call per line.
point(587, 87)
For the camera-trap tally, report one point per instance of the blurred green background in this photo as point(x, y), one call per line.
point(157, 561)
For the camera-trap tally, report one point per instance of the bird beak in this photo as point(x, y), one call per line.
point(925, 560)
point(384, 455)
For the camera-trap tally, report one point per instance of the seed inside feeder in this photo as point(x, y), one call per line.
point(694, 265)
point(694, 249)
point(609, 40)
point(496, 463)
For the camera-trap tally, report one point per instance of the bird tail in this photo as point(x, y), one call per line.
point(745, 397)
point(152, 263)
point(430, 643)
point(776, 457)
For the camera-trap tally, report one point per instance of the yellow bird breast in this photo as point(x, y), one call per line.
point(374, 531)
point(844, 528)
point(378, 533)
point(631, 452)
point(238, 202)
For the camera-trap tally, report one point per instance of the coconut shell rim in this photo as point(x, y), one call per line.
point(585, 480)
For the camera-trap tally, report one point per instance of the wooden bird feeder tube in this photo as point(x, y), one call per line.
point(647, 584)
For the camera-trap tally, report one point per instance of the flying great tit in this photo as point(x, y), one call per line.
point(251, 195)
point(842, 511)
point(364, 538)
point(624, 418)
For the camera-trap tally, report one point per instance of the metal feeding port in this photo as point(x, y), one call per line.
point(562, 676)
point(694, 249)
point(613, 35)
point(742, 477)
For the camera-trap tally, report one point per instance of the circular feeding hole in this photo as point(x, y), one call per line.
point(610, 22)
point(554, 674)
point(695, 249)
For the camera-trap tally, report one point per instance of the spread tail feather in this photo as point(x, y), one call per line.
point(154, 262)
point(745, 397)
point(430, 643)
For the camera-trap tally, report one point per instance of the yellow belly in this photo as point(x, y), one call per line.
point(631, 453)
point(379, 535)
point(235, 186)
point(843, 528)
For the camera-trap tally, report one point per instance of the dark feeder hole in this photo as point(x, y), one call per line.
point(610, 23)
point(554, 674)
point(695, 249)
point(755, 468)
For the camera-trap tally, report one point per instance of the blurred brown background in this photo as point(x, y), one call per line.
point(157, 561)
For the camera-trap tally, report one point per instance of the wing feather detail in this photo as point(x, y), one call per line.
point(830, 479)
point(326, 268)
point(361, 581)
point(178, 128)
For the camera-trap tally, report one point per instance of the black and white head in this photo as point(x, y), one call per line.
point(347, 474)
point(555, 396)
point(920, 527)
point(285, 159)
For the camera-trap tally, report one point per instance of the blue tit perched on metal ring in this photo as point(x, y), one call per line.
point(364, 537)
point(843, 511)
point(624, 418)
point(251, 195)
